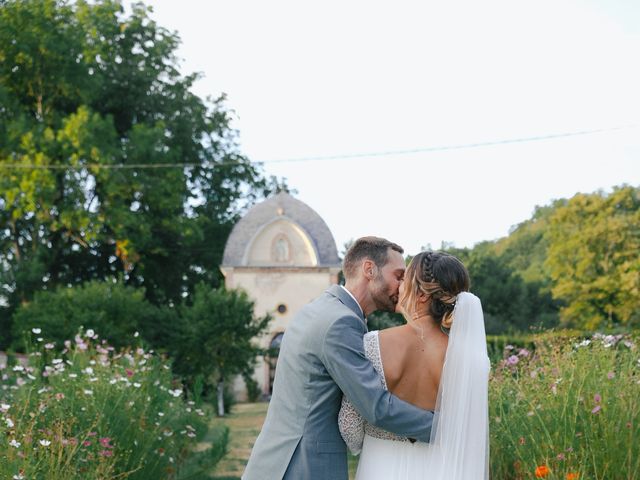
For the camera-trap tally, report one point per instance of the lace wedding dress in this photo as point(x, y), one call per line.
point(459, 446)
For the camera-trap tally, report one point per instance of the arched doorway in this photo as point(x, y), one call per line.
point(272, 359)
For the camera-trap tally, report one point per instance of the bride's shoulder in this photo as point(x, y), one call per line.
point(375, 335)
point(392, 332)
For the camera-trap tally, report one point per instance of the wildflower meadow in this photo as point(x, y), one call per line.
point(85, 410)
point(567, 409)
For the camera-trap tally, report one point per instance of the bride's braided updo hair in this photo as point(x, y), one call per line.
point(440, 276)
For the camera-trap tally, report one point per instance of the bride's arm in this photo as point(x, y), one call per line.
point(351, 426)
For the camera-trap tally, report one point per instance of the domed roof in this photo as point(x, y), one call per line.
point(281, 206)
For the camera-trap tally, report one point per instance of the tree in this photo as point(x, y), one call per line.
point(215, 337)
point(594, 240)
point(509, 302)
point(525, 248)
point(380, 320)
point(109, 165)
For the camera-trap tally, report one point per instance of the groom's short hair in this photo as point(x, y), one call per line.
point(373, 248)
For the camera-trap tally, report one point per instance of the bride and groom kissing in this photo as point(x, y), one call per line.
point(411, 400)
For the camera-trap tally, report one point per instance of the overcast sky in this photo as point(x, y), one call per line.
point(344, 78)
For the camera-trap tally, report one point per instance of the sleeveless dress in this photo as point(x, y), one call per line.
point(383, 455)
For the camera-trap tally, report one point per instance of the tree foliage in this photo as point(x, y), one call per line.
point(215, 336)
point(509, 302)
point(85, 90)
point(594, 240)
point(574, 263)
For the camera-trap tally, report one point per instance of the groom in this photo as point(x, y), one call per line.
point(321, 357)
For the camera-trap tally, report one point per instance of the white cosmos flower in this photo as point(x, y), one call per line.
point(4, 407)
point(14, 443)
point(45, 443)
point(37, 331)
point(9, 422)
point(90, 333)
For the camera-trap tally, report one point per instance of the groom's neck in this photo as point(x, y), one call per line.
point(361, 293)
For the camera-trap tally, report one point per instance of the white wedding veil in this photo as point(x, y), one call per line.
point(460, 434)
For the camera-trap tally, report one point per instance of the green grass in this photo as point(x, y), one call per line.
point(244, 426)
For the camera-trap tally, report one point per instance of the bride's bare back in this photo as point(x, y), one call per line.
point(412, 366)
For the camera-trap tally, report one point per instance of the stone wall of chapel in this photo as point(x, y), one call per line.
point(270, 288)
point(294, 289)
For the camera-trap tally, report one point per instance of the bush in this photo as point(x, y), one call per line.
point(113, 308)
point(215, 340)
point(567, 407)
point(91, 412)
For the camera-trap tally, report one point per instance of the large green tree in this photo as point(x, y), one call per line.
point(109, 164)
point(593, 259)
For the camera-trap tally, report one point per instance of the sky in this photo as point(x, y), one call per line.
point(421, 121)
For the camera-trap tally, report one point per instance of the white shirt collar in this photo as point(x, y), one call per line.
point(354, 298)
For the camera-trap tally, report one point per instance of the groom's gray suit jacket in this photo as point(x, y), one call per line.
point(321, 356)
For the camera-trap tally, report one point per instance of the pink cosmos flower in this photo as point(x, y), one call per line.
point(512, 360)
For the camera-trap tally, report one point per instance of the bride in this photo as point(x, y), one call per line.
point(437, 361)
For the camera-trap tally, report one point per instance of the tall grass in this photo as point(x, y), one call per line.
point(89, 412)
point(567, 410)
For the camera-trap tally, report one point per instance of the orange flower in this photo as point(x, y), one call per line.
point(542, 471)
point(572, 476)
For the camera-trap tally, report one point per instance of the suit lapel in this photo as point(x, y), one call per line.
point(340, 293)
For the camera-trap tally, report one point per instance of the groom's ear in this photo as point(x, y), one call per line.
point(369, 269)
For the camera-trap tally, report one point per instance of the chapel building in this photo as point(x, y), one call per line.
point(283, 255)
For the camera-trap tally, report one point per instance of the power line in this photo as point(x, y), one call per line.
point(105, 166)
point(441, 148)
point(452, 147)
